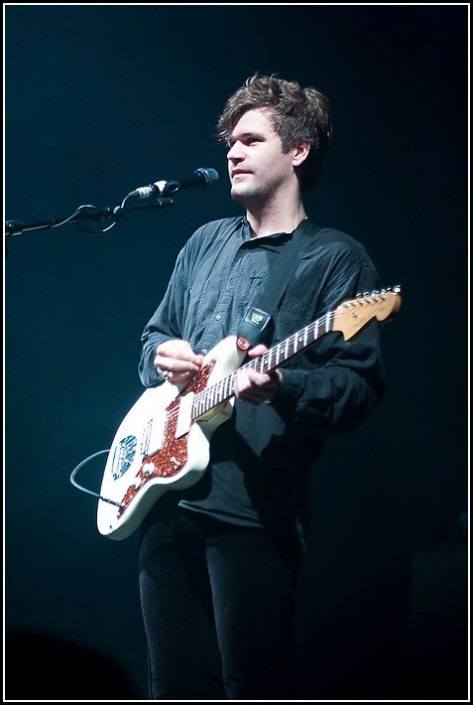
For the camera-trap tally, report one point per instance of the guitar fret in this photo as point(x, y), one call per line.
point(266, 362)
point(231, 384)
point(309, 334)
point(199, 403)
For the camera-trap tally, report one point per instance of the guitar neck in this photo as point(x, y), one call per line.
point(269, 361)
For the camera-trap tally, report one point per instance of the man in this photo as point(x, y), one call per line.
point(219, 560)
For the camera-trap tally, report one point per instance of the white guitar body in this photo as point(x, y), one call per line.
point(160, 446)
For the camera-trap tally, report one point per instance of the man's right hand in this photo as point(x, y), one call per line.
point(176, 361)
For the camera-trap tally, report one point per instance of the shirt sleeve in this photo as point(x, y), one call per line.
point(165, 324)
point(337, 382)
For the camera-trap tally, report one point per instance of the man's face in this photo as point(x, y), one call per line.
point(257, 166)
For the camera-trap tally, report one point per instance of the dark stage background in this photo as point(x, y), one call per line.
point(102, 99)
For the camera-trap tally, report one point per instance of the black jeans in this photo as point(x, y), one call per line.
point(218, 606)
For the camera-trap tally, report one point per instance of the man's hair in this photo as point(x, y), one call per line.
point(296, 114)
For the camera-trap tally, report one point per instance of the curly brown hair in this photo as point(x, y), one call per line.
point(296, 114)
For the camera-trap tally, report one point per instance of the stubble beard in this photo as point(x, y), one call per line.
point(247, 194)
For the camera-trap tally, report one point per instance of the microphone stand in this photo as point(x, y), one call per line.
point(89, 212)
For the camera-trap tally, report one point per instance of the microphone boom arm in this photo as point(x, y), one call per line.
point(87, 212)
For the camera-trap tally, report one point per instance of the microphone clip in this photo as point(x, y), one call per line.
point(160, 188)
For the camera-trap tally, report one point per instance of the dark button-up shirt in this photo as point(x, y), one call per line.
point(259, 459)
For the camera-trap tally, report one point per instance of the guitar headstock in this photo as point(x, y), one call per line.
point(352, 315)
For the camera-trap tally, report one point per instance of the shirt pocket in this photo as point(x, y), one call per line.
point(250, 290)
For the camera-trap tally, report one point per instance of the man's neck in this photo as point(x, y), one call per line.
point(271, 220)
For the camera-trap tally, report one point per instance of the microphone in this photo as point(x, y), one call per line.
point(200, 178)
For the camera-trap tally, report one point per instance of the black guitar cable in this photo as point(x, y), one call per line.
point(84, 489)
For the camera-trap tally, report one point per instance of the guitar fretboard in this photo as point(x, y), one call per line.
point(269, 361)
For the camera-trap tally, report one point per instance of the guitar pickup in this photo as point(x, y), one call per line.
point(184, 418)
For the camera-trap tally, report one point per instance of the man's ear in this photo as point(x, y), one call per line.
point(300, 153)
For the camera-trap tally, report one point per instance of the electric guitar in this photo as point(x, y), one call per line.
point(163, 442)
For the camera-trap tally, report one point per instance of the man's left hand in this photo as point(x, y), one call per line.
point(256, 387)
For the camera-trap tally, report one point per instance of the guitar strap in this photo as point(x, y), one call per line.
point(258, 315)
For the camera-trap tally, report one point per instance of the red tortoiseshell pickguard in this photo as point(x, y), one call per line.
point(172, 456)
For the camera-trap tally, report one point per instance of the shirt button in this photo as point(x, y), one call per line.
point(204, 351)
point(218, 317)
